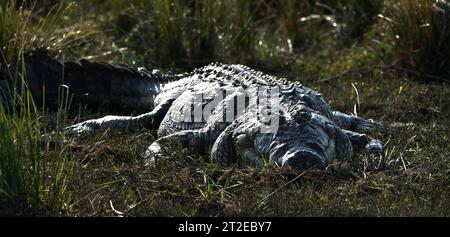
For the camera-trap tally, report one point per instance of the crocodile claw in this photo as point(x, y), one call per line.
point(374, 147)
point(154, 153)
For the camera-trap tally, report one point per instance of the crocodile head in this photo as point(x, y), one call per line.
point(304, 139)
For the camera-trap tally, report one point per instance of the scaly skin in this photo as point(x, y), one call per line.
point(308, 133)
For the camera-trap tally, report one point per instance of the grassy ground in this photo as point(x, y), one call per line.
point(344, 49)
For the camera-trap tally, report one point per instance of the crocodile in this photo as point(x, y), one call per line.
point(232, 113)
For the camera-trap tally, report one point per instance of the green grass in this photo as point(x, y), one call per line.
point(421, 33)
point(191, 33)
point(335, 47)
point(29, 178)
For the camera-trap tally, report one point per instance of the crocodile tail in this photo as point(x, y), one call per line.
point(93, 84)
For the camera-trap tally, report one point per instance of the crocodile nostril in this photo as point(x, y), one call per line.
point(301, 160)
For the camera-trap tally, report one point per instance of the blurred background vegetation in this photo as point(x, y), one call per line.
point(393, 56)
point(278, 34)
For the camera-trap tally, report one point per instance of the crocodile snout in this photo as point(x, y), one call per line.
point(301, 160)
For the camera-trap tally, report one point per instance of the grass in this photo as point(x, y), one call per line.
point(183, 33)
point(29, 177)
point(335, 47)
point(421, 33)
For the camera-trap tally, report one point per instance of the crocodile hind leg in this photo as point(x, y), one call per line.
point(163, 147)
point(149, 120)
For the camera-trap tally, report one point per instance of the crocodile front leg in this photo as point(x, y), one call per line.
point(362, 141)
point(149, 120)
point(371, 146)
point(232, 147)
point(223, 150)
point(246, 151)
point(354, 123)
